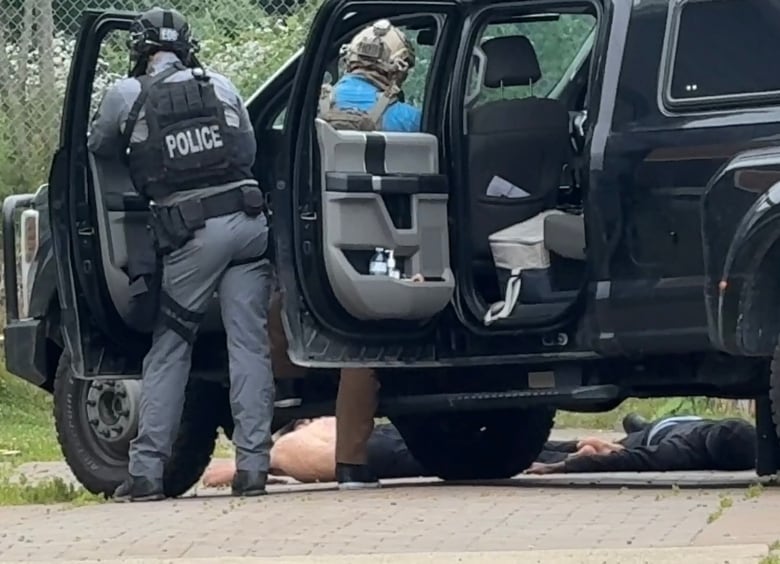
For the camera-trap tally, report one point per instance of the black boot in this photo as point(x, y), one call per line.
point(633, 423)
point(286, 394)
point(249, 484)
point(355, 477)
point(138, 488)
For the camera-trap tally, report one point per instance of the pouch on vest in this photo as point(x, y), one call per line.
point(144, 270)
point(354, 119)
point(254, 201)
point(169, 228)
point(190, 144)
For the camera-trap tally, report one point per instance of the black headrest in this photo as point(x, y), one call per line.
point(511, 61)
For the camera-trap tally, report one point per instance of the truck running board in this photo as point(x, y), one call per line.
point(474, 401)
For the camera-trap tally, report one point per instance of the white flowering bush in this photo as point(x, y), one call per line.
point(237, 39)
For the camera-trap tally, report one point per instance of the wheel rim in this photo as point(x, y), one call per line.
point(110, 416)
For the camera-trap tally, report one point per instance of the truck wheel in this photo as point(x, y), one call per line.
point(95, 422)
point(479, 445)
point(774, 388)
point(204, 406)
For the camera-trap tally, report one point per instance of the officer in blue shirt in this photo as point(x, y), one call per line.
point(354, 91)
point(377, 62)
point(367, 98)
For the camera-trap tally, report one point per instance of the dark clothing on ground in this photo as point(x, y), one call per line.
point(685, 445)
point(693, 445)
point(388, 455)
point(653, 434)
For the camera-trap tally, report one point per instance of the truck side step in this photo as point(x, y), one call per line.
point(498, 400)
point(472, 401)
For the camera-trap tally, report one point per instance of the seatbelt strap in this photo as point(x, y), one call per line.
point(383, 102)
point(326, 101)
point(503, 309)
point(146, 83)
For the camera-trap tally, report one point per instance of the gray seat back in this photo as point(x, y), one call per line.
point(522, 141)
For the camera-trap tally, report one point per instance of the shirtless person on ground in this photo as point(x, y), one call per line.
point(306, 453)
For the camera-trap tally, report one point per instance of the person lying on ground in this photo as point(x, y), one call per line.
point(304, 450)
point(667, 445)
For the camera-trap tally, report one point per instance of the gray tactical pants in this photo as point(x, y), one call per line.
point(191, 275)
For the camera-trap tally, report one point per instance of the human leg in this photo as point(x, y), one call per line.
point(190, 275)
point(244, 293)
point(356, 405)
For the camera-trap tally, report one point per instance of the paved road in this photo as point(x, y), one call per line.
point(627, 518)
point(425, 520)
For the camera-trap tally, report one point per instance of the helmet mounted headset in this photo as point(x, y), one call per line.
point(381, 53)
point(160, 30)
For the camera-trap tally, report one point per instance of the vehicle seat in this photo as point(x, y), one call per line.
point(564, 235)
point(122, 216)
point(523, 141)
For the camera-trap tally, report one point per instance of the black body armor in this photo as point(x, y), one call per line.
point(190, 145)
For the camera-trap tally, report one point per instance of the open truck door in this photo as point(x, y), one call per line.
point(346, 194)
point(89, 237)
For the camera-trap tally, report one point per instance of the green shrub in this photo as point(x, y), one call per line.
point(238, 38)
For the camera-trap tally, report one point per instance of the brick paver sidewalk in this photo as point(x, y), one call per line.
point(413, 517)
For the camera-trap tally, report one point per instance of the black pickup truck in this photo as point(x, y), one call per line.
point(587, 227)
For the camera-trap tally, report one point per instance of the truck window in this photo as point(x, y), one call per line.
point(557, 42)
point(723, 51)
point(111, 66)
point(415, 83)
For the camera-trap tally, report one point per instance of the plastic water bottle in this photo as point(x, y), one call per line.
point(391, 269)
point(378, 264)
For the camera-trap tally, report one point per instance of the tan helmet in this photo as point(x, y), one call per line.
point(381, 52)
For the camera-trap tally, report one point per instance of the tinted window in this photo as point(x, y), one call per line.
point(557, 42)
point(726, 47)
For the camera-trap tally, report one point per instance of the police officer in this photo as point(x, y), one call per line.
point(377, 62)
point(189, 145)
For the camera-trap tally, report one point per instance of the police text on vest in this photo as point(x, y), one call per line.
point(193, 140)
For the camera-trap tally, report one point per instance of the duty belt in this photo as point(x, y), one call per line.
point(231, 201)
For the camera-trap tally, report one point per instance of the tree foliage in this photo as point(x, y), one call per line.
point(247, 40)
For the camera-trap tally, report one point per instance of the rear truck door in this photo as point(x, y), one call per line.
point(87, 308)
point(345, 194)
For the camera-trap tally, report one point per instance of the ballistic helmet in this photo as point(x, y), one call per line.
point(159, 29)
point(381, 52)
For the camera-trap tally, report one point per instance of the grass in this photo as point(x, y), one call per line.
point(50, 491)
point(650, 409)
point(725, 503)
point(774, 554)
point(26, 423)
point(27, 435)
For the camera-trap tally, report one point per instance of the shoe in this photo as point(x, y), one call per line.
point(633, 423)
point(286, 395)
point(355, 477)
point(287, 402)
point(138, 488)
point(249, 484)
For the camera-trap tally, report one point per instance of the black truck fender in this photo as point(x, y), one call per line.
point(741, 235)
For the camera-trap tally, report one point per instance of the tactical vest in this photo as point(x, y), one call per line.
point(351, 118)
point(190, 144)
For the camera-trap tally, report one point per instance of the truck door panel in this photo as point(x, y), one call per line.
point(384, 190)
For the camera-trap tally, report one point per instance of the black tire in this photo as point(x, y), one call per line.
point(97, 466)
point(204, 406)
point(101, 466)
point(479, 445)
point(774, 388)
